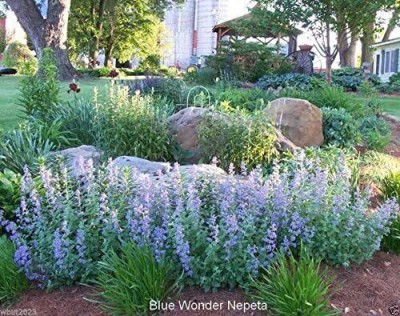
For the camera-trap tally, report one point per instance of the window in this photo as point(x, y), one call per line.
point(388, 61)
point(378, 63)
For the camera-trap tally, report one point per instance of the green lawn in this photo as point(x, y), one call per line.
point(10, 114)
point(391, 105)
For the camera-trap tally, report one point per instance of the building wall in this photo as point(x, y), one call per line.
point(378, 51)
point(180, 21)
point(14, 31)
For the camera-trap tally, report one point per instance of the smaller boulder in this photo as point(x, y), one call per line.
point(74, 157)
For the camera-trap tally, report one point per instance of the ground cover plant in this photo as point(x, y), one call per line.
point(73, 223)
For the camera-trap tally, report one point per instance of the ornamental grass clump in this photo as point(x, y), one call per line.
point(294, 286)
point(218, 231)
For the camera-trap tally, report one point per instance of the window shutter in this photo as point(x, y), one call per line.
point(396, 59)
point(383, 62)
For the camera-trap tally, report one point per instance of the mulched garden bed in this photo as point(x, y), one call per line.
point(369, 289)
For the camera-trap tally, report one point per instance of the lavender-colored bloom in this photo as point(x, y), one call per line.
point(232, 230)
point(182, 249)
point(253, 263)
point(214, 230)
point(270, 243)
point(81, 245)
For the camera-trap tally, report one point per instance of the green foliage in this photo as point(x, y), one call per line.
point(237, 138)
point(19, 56)
point(133, 126)
point(247, 61)
point(394, 78)
point(39, 93)
point(12, 281)
point(249, 100)
point(340, 128)
point(150, 64)
point(76, 118)
point(128, 281)
point(204, 76)
point(375, 166)
point(376, 132)
point(291, 286)
point(24, 146)
point(9, 192)
point(367, 90)
point(391, 242)
point(353, 79)
point(391, 186)
point(290, 80)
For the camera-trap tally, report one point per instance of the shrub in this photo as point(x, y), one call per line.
point(340, 128)
point(394, 78)
point(376, 132)
point(3, 41)
point(375, 166)
point(12, 281)
point(133, 126)
point(96, 73)
point(353, 78)
point(129, 281)
point(9, 192)
point(204, 76)
point(39, 93)
point(18, 56)
point(249, 100)
point(217, 230)
point(237, 138)
point(291, 286)
point(291, 80)
point(336, 98)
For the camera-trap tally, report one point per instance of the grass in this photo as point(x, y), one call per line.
point(10, 114)
point(390, 105)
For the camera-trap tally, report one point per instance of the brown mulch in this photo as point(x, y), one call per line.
point(369, 289)
point(394, 145)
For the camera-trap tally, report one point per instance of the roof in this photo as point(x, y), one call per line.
point(227, 26)
point(388, 42)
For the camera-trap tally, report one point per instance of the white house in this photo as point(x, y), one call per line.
point(386, 58)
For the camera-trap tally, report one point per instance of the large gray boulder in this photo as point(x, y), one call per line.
point(142, 165)
point(183, 127)
point(298, 120)
point(154, 167)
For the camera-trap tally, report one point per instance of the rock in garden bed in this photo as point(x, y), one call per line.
point(299, 120)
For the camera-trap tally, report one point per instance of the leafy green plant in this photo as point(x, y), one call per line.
point(204, 76)
point(133, 126)
point(3, 42)
point(12, 281)
point(249, 100)
point(376, 132)
point(9, 192)
point(18, 55)
point(291, 286)
point(291, 80)
point(237, 138)
point(39, 92)
point(24, 146)
point(128, 281)
point(367, 90)
point(340, 128)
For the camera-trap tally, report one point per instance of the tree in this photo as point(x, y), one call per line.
point(47, 32)
point(113, 25)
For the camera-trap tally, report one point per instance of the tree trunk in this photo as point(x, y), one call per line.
point(392, 24)
point(347, 51)
point(50, 32)
point(366, 41)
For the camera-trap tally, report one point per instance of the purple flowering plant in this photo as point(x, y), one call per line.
point(219, 231)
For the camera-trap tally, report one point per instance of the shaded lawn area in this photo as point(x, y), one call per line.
point(10, 111)
point(391, 105)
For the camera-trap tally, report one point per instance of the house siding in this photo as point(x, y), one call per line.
point(378, 51)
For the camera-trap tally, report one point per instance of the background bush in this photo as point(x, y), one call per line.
point(40, 92)
point(133, 126)
point(289, 80)
point(237, 138)
point(19, 56)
